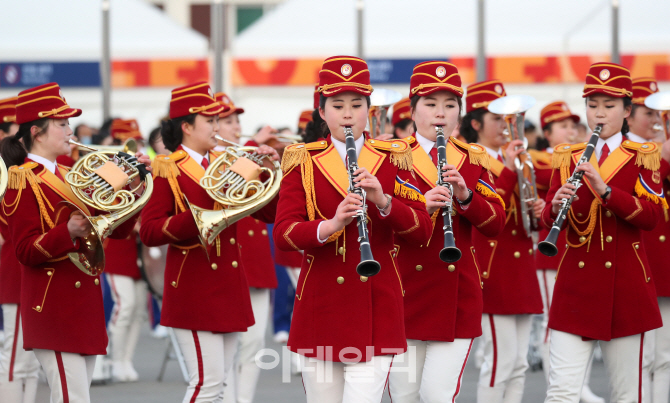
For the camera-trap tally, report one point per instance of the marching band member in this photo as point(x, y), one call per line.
point(347, 324)
point(8, 126)
point(205, 301)
point(507, 259)
point(442, 321)
point(256, 258)
point(61, 307)
point(604, 289)
point(656, 360)
point(129, 292)
point(303, 120)
point(401, 119)
point(18, 368)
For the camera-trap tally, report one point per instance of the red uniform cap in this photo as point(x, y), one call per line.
point(642, 88)
point(8, 110)
point(554, 112)
point(480, 95)
point(428, 77)
point(316, 96)
point(344, 73)
point(305, 117)
point(610, 79)
point(194, 98)
point(228, 104)
point(44, 101)
point(401, 110)
point(125, 129)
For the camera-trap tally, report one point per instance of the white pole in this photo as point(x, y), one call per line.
point(105, 63)
point(481, 41)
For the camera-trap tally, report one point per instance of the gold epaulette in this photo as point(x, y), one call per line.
point(541, 159)
point(648, 154)
point(563, 153)
point(18, 175)
point(165, 166)
point(476, 152)
point(298, 154)
point(401, 152)
point(409, 140)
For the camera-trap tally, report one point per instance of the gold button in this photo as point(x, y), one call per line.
point(214, 266)
point(581, 265)
point(364, 279)
point(340, 280)
point(340, 250)
point(513, 232)
point(668, 193)
point(609, 238)
point(234, 264)
point(183, 252)
point(37, 307)
point(608, 213)
point(251, 232)
point(451, 268)
point(309, 261)
point(264, 232)
point(256, 221)
point(517, 255)
point(232, 241)
point(661, 238)
point(608, 264)
point(492, 244)
point(637, 246)
point(530, 251)
point(174, 284)
point(485, 273)
point(77, 284)
point(582, 239)
point(419, 267)
point(579, 214)
point(50, 273)
point(97, 282)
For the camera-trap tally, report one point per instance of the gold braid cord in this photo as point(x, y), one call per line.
point(592, 218)
point(18, 176)
point(165, 167)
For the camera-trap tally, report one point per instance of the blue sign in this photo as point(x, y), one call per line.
point(389, 71)
point(32, 74)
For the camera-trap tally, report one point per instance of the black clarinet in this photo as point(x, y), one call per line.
point(368, 265)
point(548, 246)
point(450, 253)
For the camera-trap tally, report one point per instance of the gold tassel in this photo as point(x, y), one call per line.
point(294, 156)
point(407, 192)
point(164, 167)
point(19, 175)
point(480, 158)
point(402, 159)
point(649, 160)
point(486, 192)
point(561, 159)
point(642, 192)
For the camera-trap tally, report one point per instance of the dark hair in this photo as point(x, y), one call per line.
point(315, 129)
point(105, 130)
point(402, 125)
point(14, 149)
point(414, 100)
point(627, 101)
point(467, 131)
point(4, 126)
point(541, 143)
point(154, 136)
point(171, 131)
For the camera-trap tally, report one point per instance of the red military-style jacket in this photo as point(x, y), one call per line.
point(543, 171)
point(61, 306)
point(443, 301)
point(252, 235)
point(656, 242)
point(604, 287)
point(200, 293)
point(121, 257)
point(289, 259)
point(10, 268)
point(335, 309)
point(508, 261)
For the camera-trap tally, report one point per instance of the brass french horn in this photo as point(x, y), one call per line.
point(234, 180)
point(100, 180)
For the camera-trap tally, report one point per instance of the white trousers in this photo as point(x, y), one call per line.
point(209, 358)
point(547, 280)
point(337, 382)
point(503, 372)
point(429, 372)
point(570, 356)
point(656, 360)
point(243, 380)
point(18, 368)
point(69, 375)
point(130, 297)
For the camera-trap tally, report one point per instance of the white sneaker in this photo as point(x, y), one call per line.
point(589, 397)
point(131, 374)
point(281, 337)
point(119, 373)
point(159, 332)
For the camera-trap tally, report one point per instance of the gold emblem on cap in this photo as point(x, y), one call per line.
point(499, 89)
point(604, 74)
point(652, 86)
point(441, 71)
point(346, 70)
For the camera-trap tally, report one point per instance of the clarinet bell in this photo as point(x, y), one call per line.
point(547, 248)
point(450, 254)
point(368, 268)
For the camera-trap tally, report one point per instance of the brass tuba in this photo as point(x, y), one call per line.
point(99, 179)
point(234, 181)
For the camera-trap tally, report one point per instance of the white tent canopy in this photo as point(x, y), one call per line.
point(429, 28)
point(46, 30)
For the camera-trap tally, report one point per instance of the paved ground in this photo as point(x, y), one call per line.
point(270, 389)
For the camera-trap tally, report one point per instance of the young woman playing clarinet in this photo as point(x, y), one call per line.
point(443, 301)
point(511, 291)
point(206, 298)
point(604, 289)
point(348, 326)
